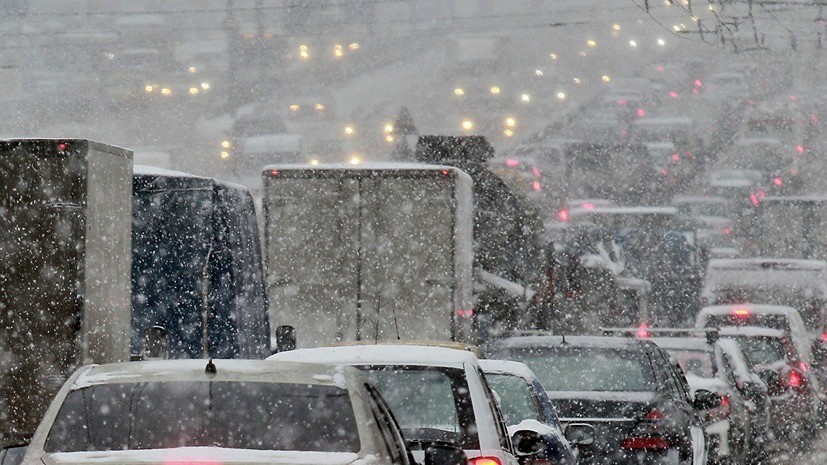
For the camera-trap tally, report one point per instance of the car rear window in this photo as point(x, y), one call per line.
point(430, 403)
point(766, 321)
point(762, 350)
point(588, 369)
point(242, 415)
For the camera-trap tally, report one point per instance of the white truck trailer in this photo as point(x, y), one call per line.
point(369, 253)
point(65, 261)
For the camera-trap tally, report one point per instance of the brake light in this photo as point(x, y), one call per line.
point(641, 112)
point(799, 148)
point(824, 336)
point(536, 186)
point(796, 381)
point(754, 199)
point(741, 312)
point(512, 163)
point(588, 206)
point(778, 182)
point(484, 461)
point(563, 215)
point(643, 333)
point(726, 406)
point(274, 172)
point(645, 443)
point(466, 312)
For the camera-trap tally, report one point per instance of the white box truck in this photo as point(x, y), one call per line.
point(368, 253)
point(65, 262)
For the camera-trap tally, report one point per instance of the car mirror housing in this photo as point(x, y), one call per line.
point(705, 400)
point(580, 434)
point(528, 443)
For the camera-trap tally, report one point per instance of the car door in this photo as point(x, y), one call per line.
point(700, 447)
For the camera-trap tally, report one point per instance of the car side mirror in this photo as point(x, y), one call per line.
point(705, 400)
point(580, 434)
point(528, 443)
point(285, 338)
point(444, 454)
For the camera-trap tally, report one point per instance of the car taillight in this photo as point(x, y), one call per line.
point(645, 443)
point(643, 332)
point(655, 414)
point(484, 461)
point(563, 215)
point(795, 380)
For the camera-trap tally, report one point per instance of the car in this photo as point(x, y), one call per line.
point(636, 400)
point(220, 411)
point(729, 426)
point(796, 283)
point(792, 386)
point(525, 404)
point(779, 317)
point(438, 394)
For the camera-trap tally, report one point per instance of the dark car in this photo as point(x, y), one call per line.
point(525, 405)
point(628, 390)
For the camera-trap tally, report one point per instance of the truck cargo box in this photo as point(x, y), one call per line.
point(368, 253)
point(65, 211)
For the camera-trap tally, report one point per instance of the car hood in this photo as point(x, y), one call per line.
point(204, 456)
point(600, 404)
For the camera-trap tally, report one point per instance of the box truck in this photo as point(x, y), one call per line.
point(197, 276)
point(369, 253)
point(65, 224)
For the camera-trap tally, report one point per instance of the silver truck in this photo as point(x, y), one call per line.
point(371, 252)
point(65, 225)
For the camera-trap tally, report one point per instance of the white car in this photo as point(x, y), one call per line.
point(438, 395)
point(223, 411)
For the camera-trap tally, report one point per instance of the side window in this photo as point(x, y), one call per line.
point(502, 431)
point(683, 385)
point(388, 427)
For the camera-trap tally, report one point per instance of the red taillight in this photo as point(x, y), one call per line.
point(799, 148)
point(643, 333)
point(536, 186)
point(803, 366)
point(741, 312)
point(727, 231)
point(641, 112)
point(778, 182)
point(655, 414)
point(512, 163)
point(754, 199)
point(588, 206)
point(645, 443)
point(726, 406)
point(796, 381)
point(61, 146)
point(484, 461)
point(274, 172)
point(563, 215)
point(466, 312)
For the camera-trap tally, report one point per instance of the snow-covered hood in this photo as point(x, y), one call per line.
point(205, 456)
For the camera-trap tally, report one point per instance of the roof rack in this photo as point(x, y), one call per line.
point(645, 332)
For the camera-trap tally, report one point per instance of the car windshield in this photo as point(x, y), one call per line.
point(516, 400)
point(587, 369)
point(239, 415)
point(762, 350)
point(430, 404)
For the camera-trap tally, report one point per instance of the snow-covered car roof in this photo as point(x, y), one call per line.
point(687, 343)
point(700, 199)
point(795, 198)
point(382, 354)
point(548, 341)
point(507, 367)
point(145, 170)
point(225, 370)
point(767, 264)
point(750, 331)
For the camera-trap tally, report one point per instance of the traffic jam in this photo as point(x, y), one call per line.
point(420, 232)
